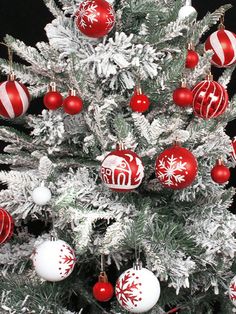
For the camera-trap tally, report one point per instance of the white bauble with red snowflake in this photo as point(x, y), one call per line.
point(232, 291)
point(53, 260)
point(137, 290)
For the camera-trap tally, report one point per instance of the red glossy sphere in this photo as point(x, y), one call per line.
point(72, 105)
point(53, 100)
point(139, 103)
point(103, 291)
point(220, 173)
point(192, 59)
point(183, 97)
point(176, 167)
point(95, 18)
point(6, 225)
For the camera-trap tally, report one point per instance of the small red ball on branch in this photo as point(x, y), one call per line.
point(52, 99)
point(192, 59)
point(139, 102)
point(103, 290)
point(182, 96)
point(72, 104)
point(220, 173)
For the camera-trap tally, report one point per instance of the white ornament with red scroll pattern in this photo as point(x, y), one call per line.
point(232, 291)
point(137, 289)
point(53, 260)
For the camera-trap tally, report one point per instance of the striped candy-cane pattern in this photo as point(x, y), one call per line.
point(223, 43)
point(210, 99)
point(14, 99)
point(6, 225)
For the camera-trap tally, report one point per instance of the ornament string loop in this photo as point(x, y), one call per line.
point(10, 57)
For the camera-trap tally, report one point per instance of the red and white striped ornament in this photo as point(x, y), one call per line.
point(223, 43)
point(6, 225)
point(233, 153)
point(210, 99)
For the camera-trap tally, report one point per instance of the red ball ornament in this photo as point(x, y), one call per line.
point(52, 99)
point(122, 170)
point(72, 104)
point(14, 98)
point(220, 173)
point(6, 226)
point(210, 99)
point(183, 96)
point(223, 44)
point(95, 18)
point(103, 290)
point(139, 102)
point(192, 58)
point(176, 167)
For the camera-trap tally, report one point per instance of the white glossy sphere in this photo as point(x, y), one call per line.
point(137, 291)
point(53, 260)
point(232, 291)
point(41, 195)
point(186, 12)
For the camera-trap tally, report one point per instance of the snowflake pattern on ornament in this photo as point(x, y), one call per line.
point(67, 261)
point(169, 169)
point(88, 10)
point(232, 291)
point(128, 290)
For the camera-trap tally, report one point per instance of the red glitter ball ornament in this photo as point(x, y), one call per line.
point(103, 290)
point(220, 173)
point(6, 226)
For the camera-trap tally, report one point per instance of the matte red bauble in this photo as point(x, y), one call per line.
point(139, 102)
point(95, 18)
point(210, 99)
point(220, 173)
point(183, 97)
point(122, 170)
point(223, 44)
point(72, 104)
point(52, 99)
point(103, 290)
point(176, 167)
point(6, 225)
point(192, 59)
point(14, 98)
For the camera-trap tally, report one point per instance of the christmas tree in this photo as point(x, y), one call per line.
point(126, 165)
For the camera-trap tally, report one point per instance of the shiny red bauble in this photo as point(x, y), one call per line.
point(183, 97)
point(122, 170)
point(53, 100)
point(220, 173)
point(223, 44)
point(95, 18)
point(176, 167)
point(14, 98)
point(139, 102)
point(72, 104)
point(6, 225)
point(192, 59)
point(210, 99)
point(103, 291)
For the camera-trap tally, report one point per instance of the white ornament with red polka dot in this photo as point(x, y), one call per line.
point(53, 260)
point(137, 289)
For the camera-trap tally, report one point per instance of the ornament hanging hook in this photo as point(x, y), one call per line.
point(10, 58)
point(102, 263)
point(222, 20)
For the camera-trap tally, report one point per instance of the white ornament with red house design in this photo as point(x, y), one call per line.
point(232, 291)
point(122, 170)
point(137, 290)
point(53, 260)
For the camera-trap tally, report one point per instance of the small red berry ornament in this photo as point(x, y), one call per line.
point(52, 99)
point(220, 173)
point(182, 96)
point(72, 104)
point(103, 290)
point(122, 170)
point(6, 226)
point(210, 99)
point(14, 98)
point(176, 167)
point(192, 57)
point(95, 18)
point(139, 102)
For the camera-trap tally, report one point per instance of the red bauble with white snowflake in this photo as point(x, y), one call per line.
point(14, 98)
point(103, 290)
point(233, 153)
point(210, 99)
point(232, 291)
point(137, 290)
point(52, 99)
point(95, 18)
point(223, 44)
point(122, 170)
point(192, 57)
point(220, 173)
point(139, 102)
point(176, 167)
point(6, 226)
point(53, 260)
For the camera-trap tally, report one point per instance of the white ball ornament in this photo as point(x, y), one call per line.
point(232, 291)
point(187, 11)
point(137, 289)
point(41, 195)
point(53, 260)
